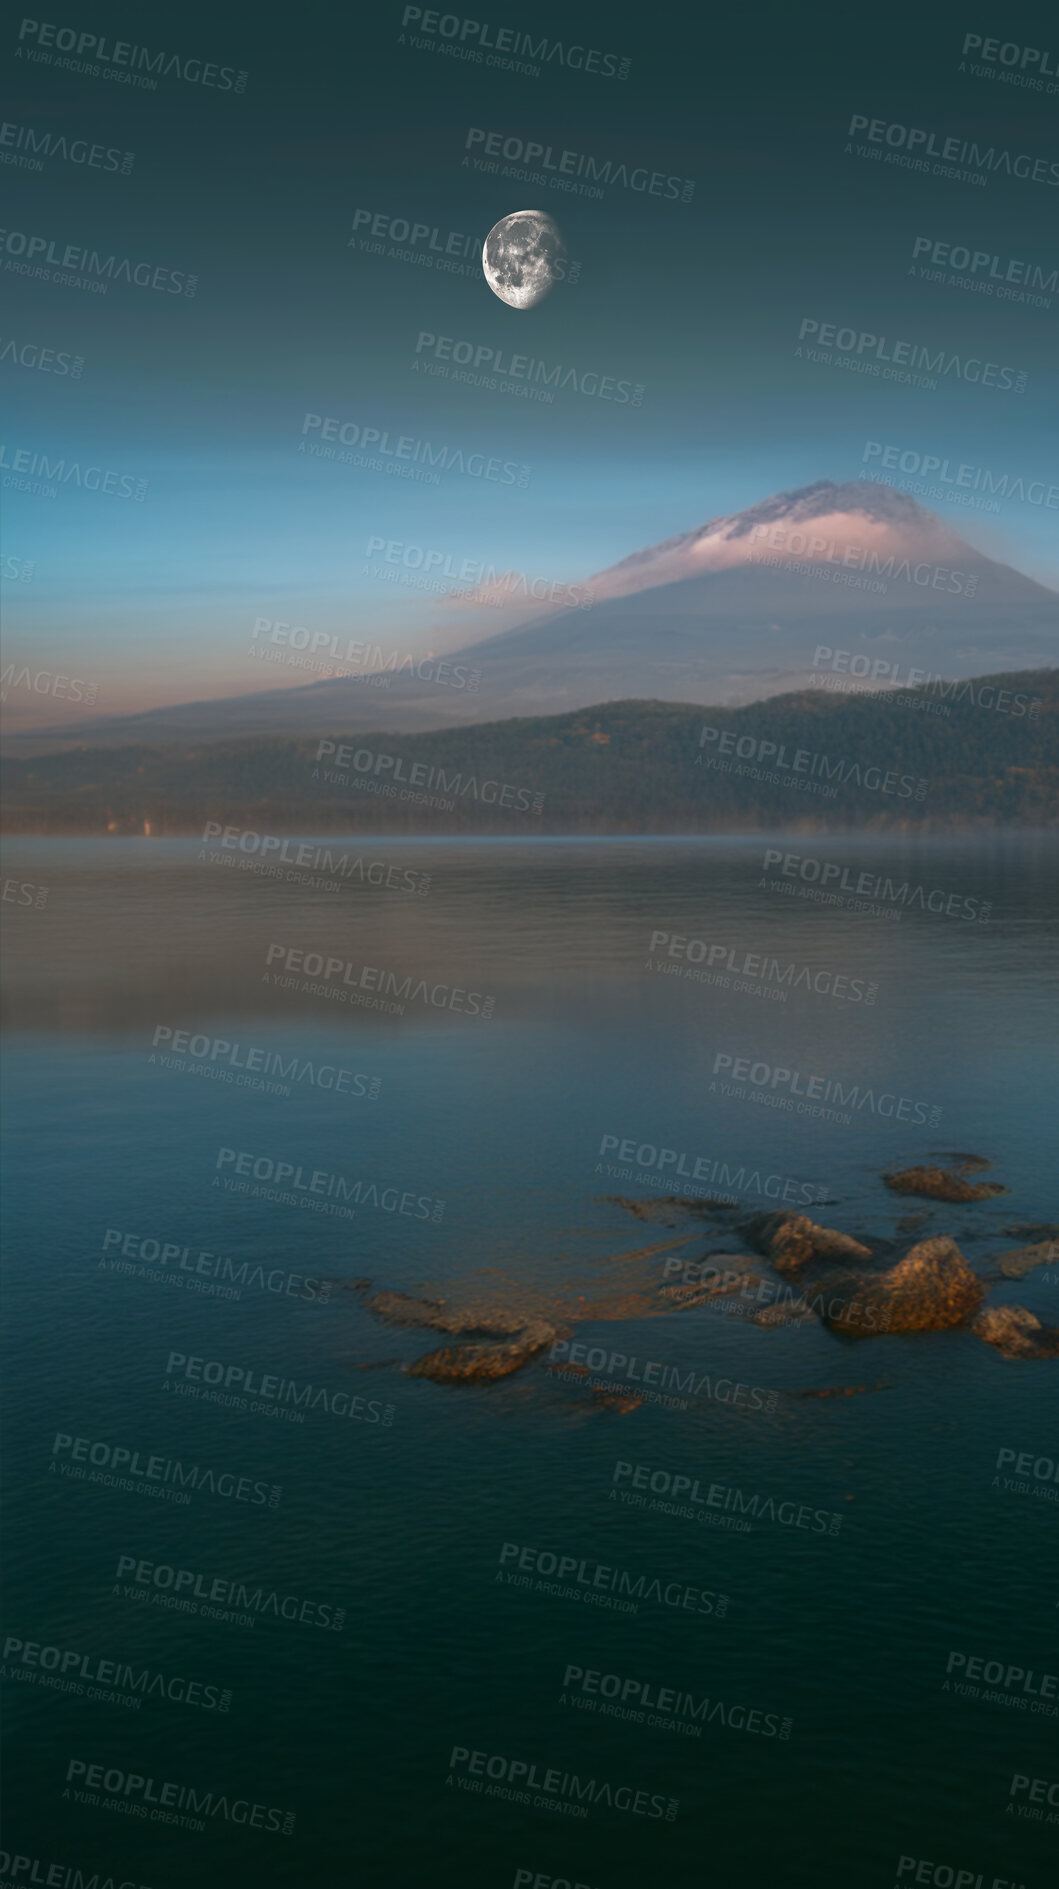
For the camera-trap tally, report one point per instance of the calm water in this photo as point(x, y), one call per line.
point(403, 1524)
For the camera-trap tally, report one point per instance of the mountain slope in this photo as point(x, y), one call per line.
point(733, 611)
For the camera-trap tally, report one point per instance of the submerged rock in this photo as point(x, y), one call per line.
point(522, 1333)
point(621, 1401)
point(911, 1222)
point(1023, 1259)
point(737, 1275)
point(791, 1241)
point(668, 1208)
point(796, 1314)
point(842, 1390)
point(475, 1315)
point(480, 1364)
point(604, 1395)
point(400, 1309)
point(944, 1183)
point(1017, 1333)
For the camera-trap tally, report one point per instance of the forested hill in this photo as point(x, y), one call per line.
point(957, 755)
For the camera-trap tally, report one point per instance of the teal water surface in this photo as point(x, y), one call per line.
point(426, 1515)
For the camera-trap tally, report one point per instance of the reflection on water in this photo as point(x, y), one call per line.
point(548, 925)
point(602, 1034)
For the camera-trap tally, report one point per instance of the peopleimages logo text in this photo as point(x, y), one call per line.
point(869, 347)
point(634, 1699)
point(1007, 53)
point(146, 275)
point(688, 1491)
point(55, 144)
point(965, 260)
point(141, 1791)
point(95, 49)
point(34, 1869)
point(525, 369)
point(804, 762)
point(146, 1250)
point(752, 970)
point(578, 164)
point(524, 1776)
point(908, 138)
point(508, 39)
point(740, 1183)
point(185, 1587)
point(232, 1384)
point(844, 879)
point(45, 360)
point(218, 1052)
point(421, 452)
point(165, 1469)
point(367, 761)
point(285, 1174)
point(959, 473)
point(782, 1085)
point(600, 1582)
point(87, 1669)
point(24, 461)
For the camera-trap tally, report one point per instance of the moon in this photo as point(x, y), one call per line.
point(522, 257)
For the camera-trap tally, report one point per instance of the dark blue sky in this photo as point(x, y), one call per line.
point(698, 302)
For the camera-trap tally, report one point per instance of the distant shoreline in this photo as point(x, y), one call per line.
point(813, 762)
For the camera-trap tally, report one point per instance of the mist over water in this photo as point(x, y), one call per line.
point(436, 1517)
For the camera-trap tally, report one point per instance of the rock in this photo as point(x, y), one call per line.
point(523, 1335)
point(1023, 1259)
point(1036, 1230)
point(790, 1241)
point(479, 1316)
point(668, 1208)
point(620, 1401)
point(942, 1183)
point(481, 1364)
point(685, 1295)
point(603, 1396)
point(795, 1314)
point(1017, 1333)
point(842, 1390)
point(399, 1309)
point(931, 1289)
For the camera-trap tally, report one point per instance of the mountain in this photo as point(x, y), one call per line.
point(984, 752)
point(732, 612)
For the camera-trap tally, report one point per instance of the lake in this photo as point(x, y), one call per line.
point(380, 1629)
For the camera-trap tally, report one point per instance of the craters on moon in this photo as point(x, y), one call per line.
point(522, 257)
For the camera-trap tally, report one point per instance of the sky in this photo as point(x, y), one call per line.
point(196, 404)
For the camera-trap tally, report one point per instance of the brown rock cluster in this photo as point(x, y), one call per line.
point(521, 1334)
point(479, 1364)
point(1017, 1333)
point(791, 1241)
point(1023, 1259)
point(942, 1184)
point(931, 1289)
point(838, 1279)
